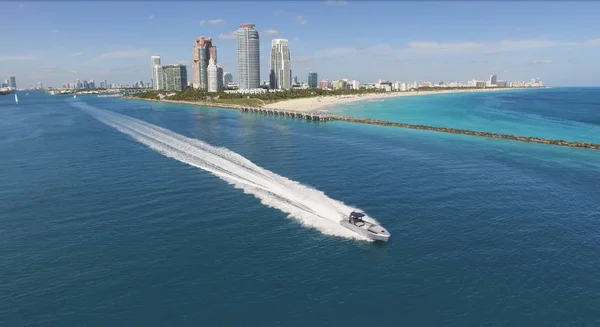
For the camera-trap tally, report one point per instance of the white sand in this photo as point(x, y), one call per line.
point(322, 103)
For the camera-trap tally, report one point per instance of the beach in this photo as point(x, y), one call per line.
point(324, 102)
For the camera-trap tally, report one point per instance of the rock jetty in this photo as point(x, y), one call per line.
point(469, 132)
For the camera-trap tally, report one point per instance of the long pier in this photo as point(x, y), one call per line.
point(289, 113)
point(315, 116)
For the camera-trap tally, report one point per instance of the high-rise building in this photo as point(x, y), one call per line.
point(227, 78)
point(313, 80)
point(493, 80)
point(281, 73)
point(295, 80)
point(156, 80)
point(174, 77)
point(13, 82)
point(248, 57)
point(215, 77)
point(203, 51)
point(40, 85)
point(219, 77)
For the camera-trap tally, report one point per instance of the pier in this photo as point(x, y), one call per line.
point(314, 116)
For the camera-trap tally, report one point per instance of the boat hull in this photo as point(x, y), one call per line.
point(383, 237)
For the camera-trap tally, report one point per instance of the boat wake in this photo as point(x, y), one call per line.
point(309, 206)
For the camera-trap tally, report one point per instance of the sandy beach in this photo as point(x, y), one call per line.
point(322, 103)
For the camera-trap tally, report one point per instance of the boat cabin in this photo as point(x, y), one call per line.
point(356, 218)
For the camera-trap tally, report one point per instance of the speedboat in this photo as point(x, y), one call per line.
point(367, 229)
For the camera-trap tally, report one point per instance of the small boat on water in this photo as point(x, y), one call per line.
point(367, 229)
point(74, 96)
point(16, 99)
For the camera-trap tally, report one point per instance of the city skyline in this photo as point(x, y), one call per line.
point(408, 41)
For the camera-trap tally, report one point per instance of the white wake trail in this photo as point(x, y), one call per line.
point(309, 206)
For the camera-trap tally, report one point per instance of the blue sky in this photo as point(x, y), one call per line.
point(57, 42)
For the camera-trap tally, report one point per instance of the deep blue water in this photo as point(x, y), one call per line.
point(97, 229)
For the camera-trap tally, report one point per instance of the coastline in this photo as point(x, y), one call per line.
point(193, 103)
point(323, 103)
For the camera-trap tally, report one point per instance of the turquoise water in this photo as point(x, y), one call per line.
point(97, 228)
point(556, 113)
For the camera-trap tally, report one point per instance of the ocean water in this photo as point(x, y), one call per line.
point(115, 214)
point(555, 113)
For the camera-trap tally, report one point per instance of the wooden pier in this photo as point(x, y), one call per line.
point(314, 116)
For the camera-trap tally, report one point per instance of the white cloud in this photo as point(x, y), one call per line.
point(300, 20)
point(17, 58)
point(228, 36)
point(53, 31)
point(129, 53)
point(76, 54)
point(336, 2)
point(151, 17)
point(542, 61)
point(419, 48)
point(212, 22)
point(272, 32)
point(428, 46)
point(495, 47)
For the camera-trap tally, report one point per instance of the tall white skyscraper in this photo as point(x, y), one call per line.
point(156, 81)
point(281, 72)
point(215, 76)
point(248, 57)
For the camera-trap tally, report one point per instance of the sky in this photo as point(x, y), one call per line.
point(58, 42)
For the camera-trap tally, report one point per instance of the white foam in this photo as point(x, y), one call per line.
point(309, 206)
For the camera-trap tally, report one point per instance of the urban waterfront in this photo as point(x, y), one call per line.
point(483, 231)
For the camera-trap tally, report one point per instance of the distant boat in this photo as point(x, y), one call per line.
point(16, 99)
point(74, 96)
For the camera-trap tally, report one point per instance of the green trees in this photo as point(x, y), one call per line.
point(199, 95)
point(272, 96)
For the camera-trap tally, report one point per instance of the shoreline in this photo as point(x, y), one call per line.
point(193, 103)
point(323, 103)
point(326, 102)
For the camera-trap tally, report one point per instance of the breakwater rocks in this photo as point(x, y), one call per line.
point(469, 132)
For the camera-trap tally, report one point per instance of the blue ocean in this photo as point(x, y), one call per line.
point(117, 212)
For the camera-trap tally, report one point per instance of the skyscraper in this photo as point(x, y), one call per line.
point(156, 81)
point(215, 77)
point(227, 78)
point(248, 57)
point(13, 82)
point(174, 77)
point(493, 80)
point(203, 51)
point(281, 73)
point(313, 80)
